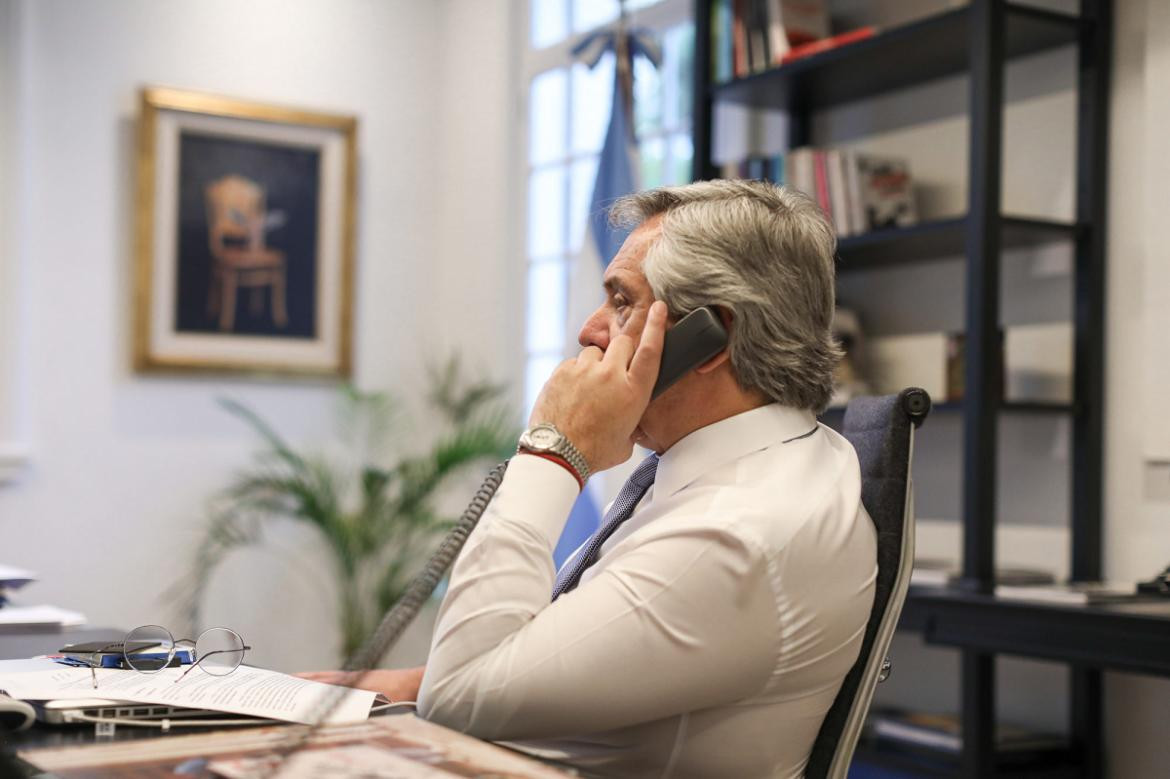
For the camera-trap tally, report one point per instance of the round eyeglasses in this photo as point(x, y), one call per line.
point(151, 648)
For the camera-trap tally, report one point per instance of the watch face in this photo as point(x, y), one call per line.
point(543, 437)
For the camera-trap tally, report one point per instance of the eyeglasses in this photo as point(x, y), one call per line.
point(151, 648)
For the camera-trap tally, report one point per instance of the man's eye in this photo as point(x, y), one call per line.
point(619, 302)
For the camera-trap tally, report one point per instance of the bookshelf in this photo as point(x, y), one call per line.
point(978, 40)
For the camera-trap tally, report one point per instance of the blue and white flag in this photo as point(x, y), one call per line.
point(616, 176)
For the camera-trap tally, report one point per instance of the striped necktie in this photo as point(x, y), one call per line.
point(623, 506)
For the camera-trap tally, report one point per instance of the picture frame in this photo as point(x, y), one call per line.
point(245, 237)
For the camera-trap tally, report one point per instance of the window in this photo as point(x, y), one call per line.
point(568, 112)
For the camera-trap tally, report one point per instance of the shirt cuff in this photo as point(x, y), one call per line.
point(538, 493)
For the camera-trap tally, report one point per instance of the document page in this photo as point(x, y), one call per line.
point(253, 691)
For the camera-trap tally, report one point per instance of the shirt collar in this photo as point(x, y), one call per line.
point(728, 439)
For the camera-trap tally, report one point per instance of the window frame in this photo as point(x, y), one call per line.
point(661, 16)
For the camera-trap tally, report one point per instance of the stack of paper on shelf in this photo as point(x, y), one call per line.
point(1071, 594)
point(20, 618)
point(934, 572)
point(23, 619)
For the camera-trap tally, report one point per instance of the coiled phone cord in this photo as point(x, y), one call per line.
point(402, 613)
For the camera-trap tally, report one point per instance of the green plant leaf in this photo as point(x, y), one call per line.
point(374, 513)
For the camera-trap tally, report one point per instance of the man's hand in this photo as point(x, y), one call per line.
point(596, 399)
point(397, 685)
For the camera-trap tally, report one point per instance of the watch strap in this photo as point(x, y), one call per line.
point(561, 461)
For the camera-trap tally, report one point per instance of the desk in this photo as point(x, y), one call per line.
point(1131, 636)
point(71, 751)
point(427, 750)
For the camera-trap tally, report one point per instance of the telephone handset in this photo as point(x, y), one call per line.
point(696, 338)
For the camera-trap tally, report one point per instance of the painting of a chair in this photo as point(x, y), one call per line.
point(237, 220)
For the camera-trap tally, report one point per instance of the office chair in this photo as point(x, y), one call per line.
point(881, 429)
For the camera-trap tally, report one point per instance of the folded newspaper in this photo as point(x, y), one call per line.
point(250, 691)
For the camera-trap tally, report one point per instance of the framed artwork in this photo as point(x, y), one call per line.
point(245, 237)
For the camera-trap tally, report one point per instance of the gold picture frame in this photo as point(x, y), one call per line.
point(245, 237)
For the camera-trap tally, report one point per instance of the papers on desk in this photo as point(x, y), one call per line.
point(250, 691)
point(24, 618)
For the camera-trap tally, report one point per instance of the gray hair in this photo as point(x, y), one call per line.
point(764, 253)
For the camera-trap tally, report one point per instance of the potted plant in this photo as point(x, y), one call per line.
point(372, 506)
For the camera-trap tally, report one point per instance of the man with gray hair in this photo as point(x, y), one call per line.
point(706, 628)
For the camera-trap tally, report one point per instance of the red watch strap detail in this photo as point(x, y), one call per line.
point(561, 461)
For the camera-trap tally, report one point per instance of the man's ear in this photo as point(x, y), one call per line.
point(725, 355)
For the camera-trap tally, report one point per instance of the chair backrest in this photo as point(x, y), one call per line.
point(235, 211)
point(881, 429)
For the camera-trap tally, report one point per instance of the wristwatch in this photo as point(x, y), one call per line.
point(544, 438)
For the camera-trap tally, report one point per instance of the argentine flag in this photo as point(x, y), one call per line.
point(616, 176)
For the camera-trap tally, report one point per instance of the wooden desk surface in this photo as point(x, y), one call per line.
point(404, 745)
point(141, 753)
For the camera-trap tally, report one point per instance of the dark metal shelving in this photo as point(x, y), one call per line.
point(932, 240)
point(1130, 636)
point(1052, 763)
point(935, 47)
point(977, 41)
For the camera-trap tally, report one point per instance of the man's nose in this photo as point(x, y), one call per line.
point(595, 331)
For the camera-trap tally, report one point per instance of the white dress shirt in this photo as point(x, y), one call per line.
point(709, 639)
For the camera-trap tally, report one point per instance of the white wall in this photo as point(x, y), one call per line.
point(1137, 491)
point(12, 447)
point(112, 501)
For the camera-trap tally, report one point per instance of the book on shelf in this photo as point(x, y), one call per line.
point(858, 191)
point(764, 167)
point(759, 58)
point(722, 46)
point(885, 191)
point(1071, 593)
point(804, 21)
point(750, 36)
point(943, 733)
point(778, 43)
point(739, 39)
point(838, 194)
